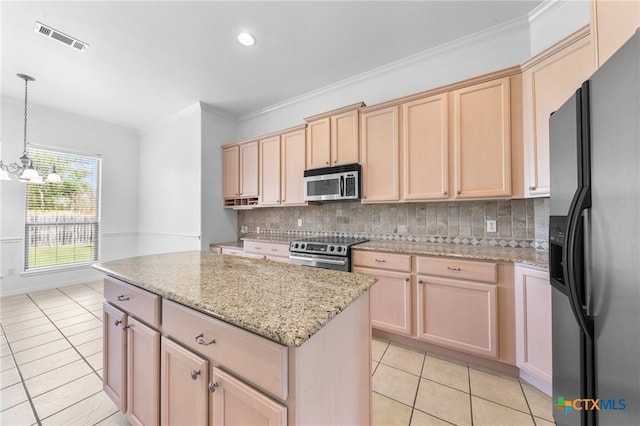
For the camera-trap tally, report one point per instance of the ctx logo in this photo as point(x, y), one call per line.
point(590, 404)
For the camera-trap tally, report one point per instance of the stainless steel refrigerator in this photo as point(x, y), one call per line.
point(594, 246)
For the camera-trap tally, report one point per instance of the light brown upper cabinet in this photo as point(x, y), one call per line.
point(482, 140)
point(282, 164)
point(425, 148)
point(270, 171)
point(613, 22)
point(333, 137)
point(231, 171)
point(292, 146)
point(549, 79)
point(240, 173)
point(380, 155)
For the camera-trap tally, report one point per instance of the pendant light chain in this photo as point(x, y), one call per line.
point(26, 83)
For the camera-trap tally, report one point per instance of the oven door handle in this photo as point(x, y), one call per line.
point(342, 186)
point(319, 260)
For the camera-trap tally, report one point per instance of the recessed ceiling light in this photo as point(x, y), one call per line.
point(246, 39)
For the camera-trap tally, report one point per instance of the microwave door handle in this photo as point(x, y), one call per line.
point(342, 186)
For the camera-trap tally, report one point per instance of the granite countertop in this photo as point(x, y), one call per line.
point(282, 302)
point(527, 256)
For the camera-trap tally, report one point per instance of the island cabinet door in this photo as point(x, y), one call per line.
point(183, 390)
point(115, 355)
point(143, 374)
point(235, 403)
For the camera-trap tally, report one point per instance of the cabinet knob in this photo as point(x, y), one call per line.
point(532, 188)
point(458, 192)
point(118, 322)
point(195, 374)
point(420, 282)
point(406, 280)
point(444, 193)
point(200, 340)
point(326, 162)
point(213, 386)
point(122, 298)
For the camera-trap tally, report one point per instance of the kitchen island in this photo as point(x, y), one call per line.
point(202, 338)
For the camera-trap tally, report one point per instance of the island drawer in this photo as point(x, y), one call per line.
point(455, 268)
point(260, 361)
point(267, 249)
point(134, 301)
point(379, 260)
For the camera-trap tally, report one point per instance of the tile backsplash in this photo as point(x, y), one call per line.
point(520, 223)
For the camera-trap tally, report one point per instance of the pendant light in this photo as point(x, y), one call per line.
point(24, 170)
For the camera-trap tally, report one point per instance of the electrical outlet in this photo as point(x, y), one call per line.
point(299, 222)
point(491, 226)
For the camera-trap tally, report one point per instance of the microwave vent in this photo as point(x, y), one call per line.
point(52, 33)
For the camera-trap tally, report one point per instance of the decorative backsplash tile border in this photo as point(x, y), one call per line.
point(520, 223)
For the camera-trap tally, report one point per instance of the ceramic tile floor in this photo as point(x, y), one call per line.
point(51, 373)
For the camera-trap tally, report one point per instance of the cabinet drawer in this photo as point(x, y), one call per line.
point(267, 249)
point(241, 253)
point(387, 261)
point(454, 268)
point(260, 361)
point(135, 301)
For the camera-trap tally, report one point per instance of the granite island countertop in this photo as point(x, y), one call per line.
point(282, 302)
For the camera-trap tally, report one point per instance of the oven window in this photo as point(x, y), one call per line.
point(323, 187)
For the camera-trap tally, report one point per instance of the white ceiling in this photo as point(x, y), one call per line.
point(149, 60)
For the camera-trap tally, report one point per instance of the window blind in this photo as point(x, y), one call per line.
point(62, 221)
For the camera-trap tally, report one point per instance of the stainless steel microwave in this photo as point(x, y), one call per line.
point(338, 183)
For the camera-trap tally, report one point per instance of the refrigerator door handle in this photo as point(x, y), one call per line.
point(581, 201)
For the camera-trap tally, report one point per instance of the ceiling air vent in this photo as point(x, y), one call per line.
point(49, 32)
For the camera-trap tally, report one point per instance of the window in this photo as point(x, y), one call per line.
point(63, 219)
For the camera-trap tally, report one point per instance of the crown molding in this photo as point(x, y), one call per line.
point(501, 30)
point(545, 8)
point(169, 119)
point(213, 110)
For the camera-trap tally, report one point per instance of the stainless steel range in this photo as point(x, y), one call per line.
point(323, 252)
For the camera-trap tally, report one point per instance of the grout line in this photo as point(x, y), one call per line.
point(24, 386)
point(470, 393)
point(415, 398)
point(527, 401)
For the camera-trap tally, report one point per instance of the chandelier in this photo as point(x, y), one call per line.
point(25, 170)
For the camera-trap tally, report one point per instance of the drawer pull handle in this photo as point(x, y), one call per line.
point(213, 386)
point(122, 298)
point(201, 341)
point(274, 249)
point(258, 248)
point(195, 374)
point(454, 269)
point(380, 260)
point(118, 322)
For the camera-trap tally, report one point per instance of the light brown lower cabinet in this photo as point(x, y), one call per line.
point(131, 366)
point(458, 314)
point(391, 300)
point(182, 367)
point(235, 403)
point(458, 304)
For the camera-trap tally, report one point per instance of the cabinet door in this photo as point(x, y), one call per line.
point(613, 23)
point(114, 355)
point(270, 171)
point(345, 138)
point(533, 325)
point(292, 167)
point(425, 142)
point(482, 140)
point(547, 85)
point(458, 314)
point(143, 374)
point(249, 169)
point(183, 389)
point(231, 171)
point(390, 300)
point(319, 143)
point(379, 159)
point(235, 403)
